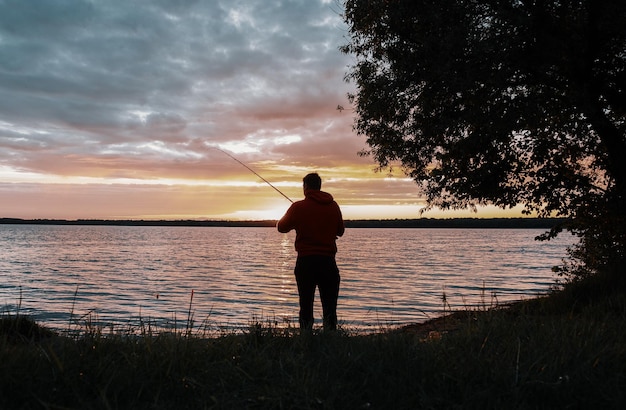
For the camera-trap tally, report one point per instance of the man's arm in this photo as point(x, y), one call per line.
point(286, 224)
point(341, 228)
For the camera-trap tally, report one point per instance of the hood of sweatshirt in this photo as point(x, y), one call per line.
point(319, 196)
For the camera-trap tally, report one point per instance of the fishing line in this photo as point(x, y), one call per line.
point(255, 173)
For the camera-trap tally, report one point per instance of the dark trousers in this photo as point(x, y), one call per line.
point(321, 272)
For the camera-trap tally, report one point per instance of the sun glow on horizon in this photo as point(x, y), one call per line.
point(243, 196)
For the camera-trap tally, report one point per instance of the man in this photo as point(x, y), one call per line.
point(318, 222)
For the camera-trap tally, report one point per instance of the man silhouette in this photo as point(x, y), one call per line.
point(318, 223)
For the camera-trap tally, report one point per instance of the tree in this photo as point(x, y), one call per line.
point(502, 102)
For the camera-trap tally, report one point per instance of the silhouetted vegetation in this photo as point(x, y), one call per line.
point(566, 350)
point(501, 103)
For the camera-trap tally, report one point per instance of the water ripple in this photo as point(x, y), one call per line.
point(124, 275)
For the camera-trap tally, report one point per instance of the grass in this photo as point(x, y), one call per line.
point(567, 350)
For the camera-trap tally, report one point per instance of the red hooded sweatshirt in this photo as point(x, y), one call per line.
point(318, 222)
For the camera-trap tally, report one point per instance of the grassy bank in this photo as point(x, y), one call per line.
point(563, 351)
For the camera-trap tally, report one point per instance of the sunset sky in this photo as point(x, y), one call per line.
point(113, 109)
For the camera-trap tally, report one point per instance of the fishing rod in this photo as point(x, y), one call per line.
point(254, 172)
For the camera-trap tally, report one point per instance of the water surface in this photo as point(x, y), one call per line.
point(228, 277)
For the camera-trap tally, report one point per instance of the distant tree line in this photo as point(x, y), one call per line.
point(464, 223)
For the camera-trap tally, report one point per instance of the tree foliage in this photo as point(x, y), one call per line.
point(502, 102)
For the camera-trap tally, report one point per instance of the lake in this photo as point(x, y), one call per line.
point(229, 277)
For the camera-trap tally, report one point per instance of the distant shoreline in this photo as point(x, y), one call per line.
point(459, 223)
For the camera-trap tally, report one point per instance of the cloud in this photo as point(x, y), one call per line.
point(106, 102)
point(91, 77)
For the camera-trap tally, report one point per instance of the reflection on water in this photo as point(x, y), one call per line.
point(121, 275)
